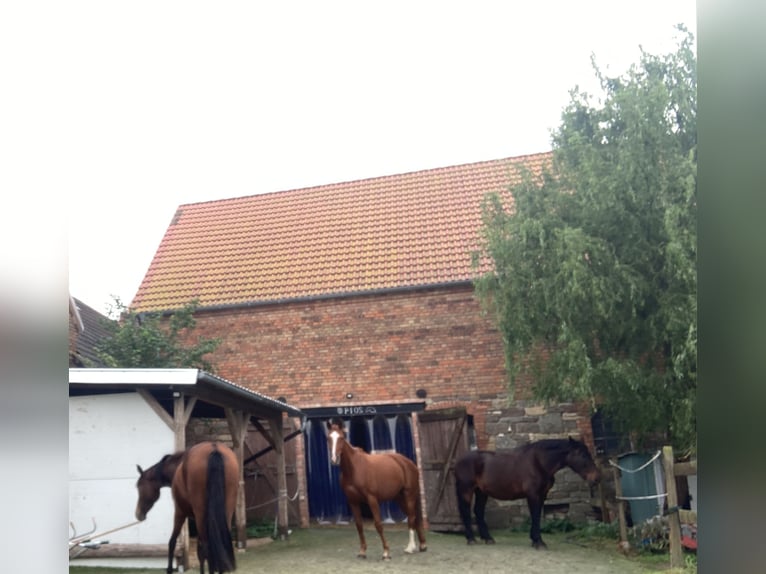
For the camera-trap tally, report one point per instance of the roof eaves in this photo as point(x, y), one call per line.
point(249, 394)
point(331, 296)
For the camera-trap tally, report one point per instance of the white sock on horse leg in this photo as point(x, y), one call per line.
point(411, 547)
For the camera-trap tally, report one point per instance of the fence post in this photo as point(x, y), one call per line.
point(620, 508)
point(676, 552)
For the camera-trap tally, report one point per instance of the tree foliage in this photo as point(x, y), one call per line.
point(153, 340)
point(595, 260)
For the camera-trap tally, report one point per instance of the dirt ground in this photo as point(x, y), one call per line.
point(333, 550)
point(329, 550)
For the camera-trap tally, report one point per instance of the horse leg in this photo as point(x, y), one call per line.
point(202, 554)
point(478, 509)
point(375, 509)
point(409, 507)
point(419, 527)
point(535, 511)
point(464, 498)
point(178, 522)
point(356, 510)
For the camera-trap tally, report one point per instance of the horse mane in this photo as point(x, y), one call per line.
point(158, 469)
point(548, 445)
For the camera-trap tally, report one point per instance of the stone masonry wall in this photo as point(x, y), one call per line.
point(526, 422)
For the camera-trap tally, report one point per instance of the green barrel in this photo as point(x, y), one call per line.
point(641, 483)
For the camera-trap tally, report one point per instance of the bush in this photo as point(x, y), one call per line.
point(651, 535)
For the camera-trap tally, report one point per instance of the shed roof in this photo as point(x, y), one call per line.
point(214, 393)
point(408, 230)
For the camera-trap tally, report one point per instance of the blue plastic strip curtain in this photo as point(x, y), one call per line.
point(327, 502)
point(404, 443)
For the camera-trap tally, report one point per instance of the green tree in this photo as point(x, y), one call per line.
point(594, 281)
point(154, 340)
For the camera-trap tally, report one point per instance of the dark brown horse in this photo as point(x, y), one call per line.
point(375, 478)
point(525, 472)
point(204, 481)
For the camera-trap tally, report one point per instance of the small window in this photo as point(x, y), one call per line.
point(607, 440)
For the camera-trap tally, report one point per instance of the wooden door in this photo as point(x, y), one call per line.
point(443, 437)
point(262, 480)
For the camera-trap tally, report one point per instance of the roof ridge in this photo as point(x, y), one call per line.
point(516, 158)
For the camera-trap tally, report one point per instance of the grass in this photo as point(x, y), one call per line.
point(330, 549)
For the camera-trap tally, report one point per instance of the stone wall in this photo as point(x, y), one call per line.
point(525, 422)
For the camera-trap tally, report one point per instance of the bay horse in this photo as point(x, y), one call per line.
point(204, 481)
point(524, 472)
point(375, 478)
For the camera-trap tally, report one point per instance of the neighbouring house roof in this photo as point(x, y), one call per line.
point(400, 231)
point(90, 334)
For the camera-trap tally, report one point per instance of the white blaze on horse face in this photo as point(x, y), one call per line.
point(334, 454)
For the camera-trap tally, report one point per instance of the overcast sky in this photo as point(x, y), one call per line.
point(166, 103)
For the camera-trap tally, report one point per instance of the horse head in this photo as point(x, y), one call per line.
point(578, 458)
point(336, 436)
point(148, 485)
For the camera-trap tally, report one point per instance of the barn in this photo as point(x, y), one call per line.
point(356, 299)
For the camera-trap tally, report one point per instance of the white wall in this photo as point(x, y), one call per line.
point(108, 436)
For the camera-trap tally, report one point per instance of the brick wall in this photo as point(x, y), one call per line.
point(380, 348)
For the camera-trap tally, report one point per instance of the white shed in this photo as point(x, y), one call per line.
point(119, 418)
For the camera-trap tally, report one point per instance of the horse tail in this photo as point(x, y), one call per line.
point(219, 544)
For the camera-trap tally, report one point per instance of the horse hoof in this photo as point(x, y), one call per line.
point(362, 556)
point(470, 541)
point(423, 548)
point(386, 557)
point(489, 541)
point(539, 545)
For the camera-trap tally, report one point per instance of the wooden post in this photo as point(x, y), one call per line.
point(674, 521)
point(282, 504)
point(620, 507)
point(237, 421)
point(605, 514)
point(180, 419)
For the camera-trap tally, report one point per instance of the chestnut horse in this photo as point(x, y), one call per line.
point(204, 481)
point(375, 478)
point(524, 472)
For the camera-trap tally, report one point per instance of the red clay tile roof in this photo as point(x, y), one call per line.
point(407, 230)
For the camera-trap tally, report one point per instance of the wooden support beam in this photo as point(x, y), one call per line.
point(265, 432)
point(685, 468)
point(237, 421)
point(157, 408)
point(179, 428)
point(419, 457)
point(282, 505)
point(674, 521)
point(605, 514)
point(620, 508)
